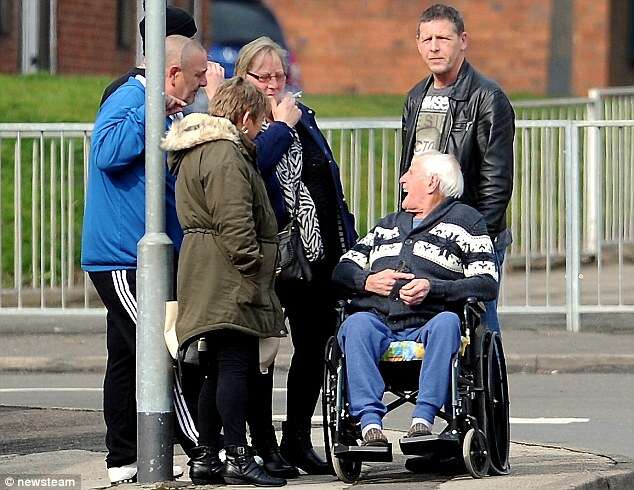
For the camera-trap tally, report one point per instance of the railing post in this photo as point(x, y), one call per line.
point(592, 237)
point(573, 226)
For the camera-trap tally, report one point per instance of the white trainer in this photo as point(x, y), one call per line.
point(122, 474)
point(128, 472)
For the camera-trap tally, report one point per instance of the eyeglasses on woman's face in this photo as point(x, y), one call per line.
point(279, 77)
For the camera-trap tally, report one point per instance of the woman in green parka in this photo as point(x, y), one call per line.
point(226, 269)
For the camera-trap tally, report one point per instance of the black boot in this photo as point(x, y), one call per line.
point(265, 446)
point(241, 469)
point(274, 462)
point(205, 467)
point(297, 448)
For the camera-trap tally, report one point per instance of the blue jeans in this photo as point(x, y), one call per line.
point(364, 338)
point(490, 317)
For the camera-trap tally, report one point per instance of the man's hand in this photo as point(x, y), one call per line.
point(382, 282)
point(215, 76)
point(415, 291)
point(173, 105)
point(286, 111)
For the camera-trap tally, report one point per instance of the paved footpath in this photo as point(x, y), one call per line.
point(533, 467)
point(71, 441)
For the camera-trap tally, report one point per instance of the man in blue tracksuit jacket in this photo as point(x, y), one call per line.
point(114, 222)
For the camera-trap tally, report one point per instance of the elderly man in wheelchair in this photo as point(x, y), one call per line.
point(403, 278)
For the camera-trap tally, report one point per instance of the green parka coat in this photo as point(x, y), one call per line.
point(226, 267)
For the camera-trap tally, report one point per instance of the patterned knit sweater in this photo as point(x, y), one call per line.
point(450, 248)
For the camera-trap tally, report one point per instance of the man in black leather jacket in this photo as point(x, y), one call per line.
point(456, 110)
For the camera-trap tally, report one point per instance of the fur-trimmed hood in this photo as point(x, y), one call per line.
point(196, 129)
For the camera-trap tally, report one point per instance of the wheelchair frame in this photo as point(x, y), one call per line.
point(477, 429)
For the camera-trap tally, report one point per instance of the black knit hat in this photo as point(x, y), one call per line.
point(177, 21)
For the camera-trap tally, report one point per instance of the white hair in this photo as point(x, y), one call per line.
point(445, 167)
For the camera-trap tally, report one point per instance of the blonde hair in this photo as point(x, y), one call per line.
point(235, 97)
point(445, 167)
point(261, 45)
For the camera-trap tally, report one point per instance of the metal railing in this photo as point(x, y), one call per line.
point(601, 103)
point(43, 170)
point(571, 214)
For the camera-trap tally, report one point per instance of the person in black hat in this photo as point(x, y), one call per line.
point(177, 21)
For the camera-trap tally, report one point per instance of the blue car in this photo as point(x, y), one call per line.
point(235, 23)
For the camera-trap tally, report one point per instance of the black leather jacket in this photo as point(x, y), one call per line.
point(478, 131)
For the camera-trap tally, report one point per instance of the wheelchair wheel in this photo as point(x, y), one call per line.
point(496, 396)
point(328, 398)
point(336, 427)
point(475, 454)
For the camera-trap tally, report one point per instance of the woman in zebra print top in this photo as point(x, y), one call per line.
point(302, 179)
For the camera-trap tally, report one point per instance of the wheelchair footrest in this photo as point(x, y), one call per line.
point(444, 442)
point(364, 453)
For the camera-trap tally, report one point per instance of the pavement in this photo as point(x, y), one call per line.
point(533, 466)
point(75, 442)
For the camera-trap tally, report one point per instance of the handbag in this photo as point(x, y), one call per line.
point(268, 351)
point(169, 329)
point(292, 263)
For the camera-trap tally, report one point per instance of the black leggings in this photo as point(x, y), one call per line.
point(310, 308)
point(230, 360)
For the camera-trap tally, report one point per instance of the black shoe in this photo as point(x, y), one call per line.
point(274, 463)
point(418, 430)
point(375, 437)
point(241, 469)
point(265, 446)
point(205, 467)
point(297, 449)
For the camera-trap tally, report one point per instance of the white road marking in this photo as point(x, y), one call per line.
point(315, 419)
point(549, 420)
point(35, 390)
point(53, 390)
point(514, 420)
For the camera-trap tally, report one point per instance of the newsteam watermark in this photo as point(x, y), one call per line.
point(12, 482)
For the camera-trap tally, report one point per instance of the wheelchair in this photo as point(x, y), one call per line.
point(478, 430)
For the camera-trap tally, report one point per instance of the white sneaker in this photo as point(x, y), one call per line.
point(127, 473)
point(122, 474)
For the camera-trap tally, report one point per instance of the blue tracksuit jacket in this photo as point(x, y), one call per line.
point(114, 218)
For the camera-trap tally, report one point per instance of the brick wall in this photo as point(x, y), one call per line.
point(369, 45)
point(87, 38)
point(9, 45)
point(621, 53)
point(591, 40)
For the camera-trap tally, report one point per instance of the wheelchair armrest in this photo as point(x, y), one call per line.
point(341, 311)
point(473, 308)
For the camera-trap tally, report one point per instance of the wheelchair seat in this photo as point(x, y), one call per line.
point(404, 350)
point(409, 350)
